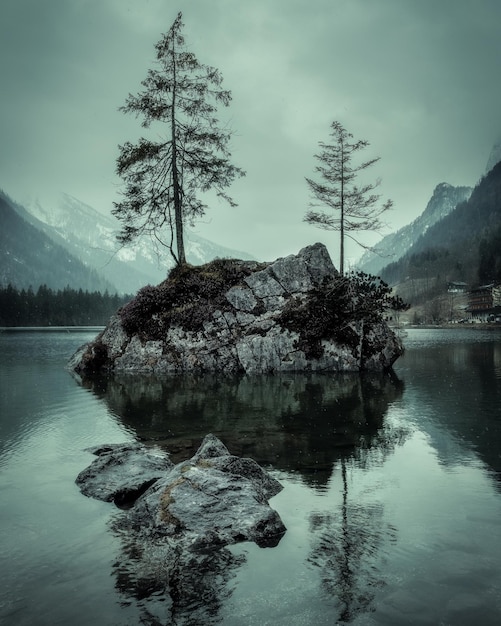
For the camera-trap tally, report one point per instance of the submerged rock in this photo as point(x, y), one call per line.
point(211, 500)
point(241, 316)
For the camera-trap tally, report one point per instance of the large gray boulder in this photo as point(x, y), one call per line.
point(240, 329)
point(177, 523)
point(213, 499)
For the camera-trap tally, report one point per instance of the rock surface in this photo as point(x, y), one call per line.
point(245, 332)
point(212, 500)
point(122, 472)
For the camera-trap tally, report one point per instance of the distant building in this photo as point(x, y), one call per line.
point(457, 287)
point(496, 296)
point(484, 303)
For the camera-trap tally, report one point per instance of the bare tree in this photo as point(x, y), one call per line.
point(164, 177)
point(355, 205)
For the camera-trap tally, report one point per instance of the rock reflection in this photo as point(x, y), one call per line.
point(170, 584)
point(298, 423)
point(302, 424)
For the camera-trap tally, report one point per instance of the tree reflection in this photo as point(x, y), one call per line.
point(349, 544)
point(348, 548)
point(297, 423)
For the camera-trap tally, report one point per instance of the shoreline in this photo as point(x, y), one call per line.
point(468, 325)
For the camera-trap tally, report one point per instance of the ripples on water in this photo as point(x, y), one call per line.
point(391, 490)
point(39, 400)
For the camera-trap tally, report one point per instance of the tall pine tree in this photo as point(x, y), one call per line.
point(165, 177)
point(354, 206)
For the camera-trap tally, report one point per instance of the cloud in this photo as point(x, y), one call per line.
point(419, 80)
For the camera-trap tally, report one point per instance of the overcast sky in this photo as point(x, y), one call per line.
point(419, 79)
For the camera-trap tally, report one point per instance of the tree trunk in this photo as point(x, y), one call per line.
point(341, 246)
point(178, 216)
point(178, 208)
point(341, 254)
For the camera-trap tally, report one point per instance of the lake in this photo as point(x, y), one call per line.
point(391, 498)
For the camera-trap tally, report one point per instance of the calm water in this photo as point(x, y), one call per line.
point(391, 496)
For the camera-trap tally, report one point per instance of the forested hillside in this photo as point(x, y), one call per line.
point(29, 258)
point(394, 246)
point(463, 246)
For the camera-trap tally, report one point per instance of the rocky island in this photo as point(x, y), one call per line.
point(294, 314)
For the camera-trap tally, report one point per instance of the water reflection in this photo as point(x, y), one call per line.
point(459, 391)
point(299, 423)
point(395, 529)
point(348, 547)
point(303, 425)
point(170, 585)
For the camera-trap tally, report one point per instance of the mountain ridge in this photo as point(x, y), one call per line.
point(445, 198)
point(394, 246)
point(453, 249)
point(30, 258)
point(91, 237)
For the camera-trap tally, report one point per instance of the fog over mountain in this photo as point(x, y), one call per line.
point(90, 236)
point(495, 156)
point(392, 247)
point(444, 199)
point(88, 255)
point(464, 246)
point(29, 257)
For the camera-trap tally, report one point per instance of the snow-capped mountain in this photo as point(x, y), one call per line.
point(392, 247)
point(29, 257)
point(90, 236)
